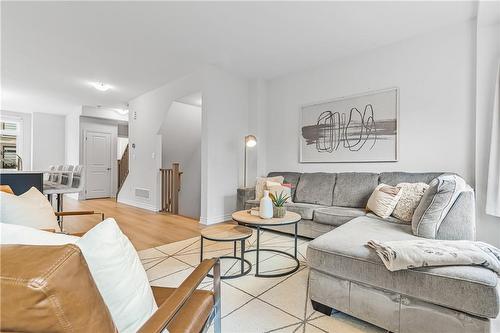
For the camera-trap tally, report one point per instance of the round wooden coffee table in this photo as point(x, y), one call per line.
point(245, 218)
point(229, 233)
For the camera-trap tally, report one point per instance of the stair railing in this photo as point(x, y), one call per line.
point(170, 187)
point(122, 169)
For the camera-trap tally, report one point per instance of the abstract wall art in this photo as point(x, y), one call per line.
point(360, 128)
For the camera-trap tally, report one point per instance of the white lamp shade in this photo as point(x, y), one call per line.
point(250, 141)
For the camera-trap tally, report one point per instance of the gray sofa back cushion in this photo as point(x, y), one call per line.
point(290, 178)
point(352, 189)
point(435, 204)
point(394, 178)
point(315, 188)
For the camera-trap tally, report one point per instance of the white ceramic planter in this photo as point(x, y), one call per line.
point(266, 206)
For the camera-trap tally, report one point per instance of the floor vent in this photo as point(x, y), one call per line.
point(142, 193)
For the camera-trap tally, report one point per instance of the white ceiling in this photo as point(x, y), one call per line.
point(52, 50)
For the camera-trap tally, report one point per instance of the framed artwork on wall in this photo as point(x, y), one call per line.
point(358, 128)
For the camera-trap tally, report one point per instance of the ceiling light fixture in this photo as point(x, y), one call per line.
point(101, 86)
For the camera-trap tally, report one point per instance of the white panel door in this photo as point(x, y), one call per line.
point(98, 164)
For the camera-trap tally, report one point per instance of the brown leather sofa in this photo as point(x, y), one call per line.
point(50, 289)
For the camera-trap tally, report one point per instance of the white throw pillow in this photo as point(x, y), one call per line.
point(383, 200)
point(19, 234)
point(113, 263)
point(411, 193)
point(260, 185)
point(119, 275)
point(31, 209)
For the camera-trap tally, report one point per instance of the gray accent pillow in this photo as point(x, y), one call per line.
point(315, 188)
point(435, 204)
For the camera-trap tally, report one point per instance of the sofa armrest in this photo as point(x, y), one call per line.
point(167, 311)
point(243, 195)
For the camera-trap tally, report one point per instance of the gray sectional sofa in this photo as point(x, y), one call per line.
point(347, 276)
point(328, 200)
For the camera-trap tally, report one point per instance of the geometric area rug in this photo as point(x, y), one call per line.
point(249, 303)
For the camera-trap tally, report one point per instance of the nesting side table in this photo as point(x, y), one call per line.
point(229, 233)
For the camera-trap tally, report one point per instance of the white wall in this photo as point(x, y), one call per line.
point(181, 143)
point(104, 113)
point(488, 58)
point(257, 118)
point(48, 140)
point(72, 138)
point(224, 126)
point(435, 75)
point(121, 146)
point(146, 115)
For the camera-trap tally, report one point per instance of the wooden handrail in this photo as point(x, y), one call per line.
point(122, 169)
point(170, 187)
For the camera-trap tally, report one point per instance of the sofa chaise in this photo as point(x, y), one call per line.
point(347, 276)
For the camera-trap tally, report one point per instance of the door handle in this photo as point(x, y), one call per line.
point(108, 169)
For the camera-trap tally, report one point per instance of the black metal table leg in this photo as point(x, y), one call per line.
point(257, 252)
point(201, 249)
point(242, 259)
point(293, 256)
point(296, 229)
point(242, 248)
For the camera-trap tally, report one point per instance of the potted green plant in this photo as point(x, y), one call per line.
point(279, 201)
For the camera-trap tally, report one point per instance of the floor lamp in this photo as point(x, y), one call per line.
point(250, 141)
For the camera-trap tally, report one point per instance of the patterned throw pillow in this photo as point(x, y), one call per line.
point(411, 193)
point(260, 185)
point(383, 200)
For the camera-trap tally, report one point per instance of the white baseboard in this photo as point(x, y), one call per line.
point(216, 219)
point(138, 204)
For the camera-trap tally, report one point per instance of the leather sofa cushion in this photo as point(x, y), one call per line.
point(343, 253)
point(49, 289)
point(337, 215)
point(289, 177)
point(315, 188)
point(193, 315)
point(394, 178)
point(352, 189)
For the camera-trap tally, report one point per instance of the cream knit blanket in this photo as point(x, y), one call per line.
point(398, 255)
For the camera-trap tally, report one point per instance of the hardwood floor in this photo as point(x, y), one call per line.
point(144, 228)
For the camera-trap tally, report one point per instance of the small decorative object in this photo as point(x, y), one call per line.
point(254, 211)
point(361, 128)
point(266, 206)
point(279, 201)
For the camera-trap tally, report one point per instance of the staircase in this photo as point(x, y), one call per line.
point(122, 170)
point(170, 187)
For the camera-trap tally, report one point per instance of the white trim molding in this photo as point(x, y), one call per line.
point(215, 220)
